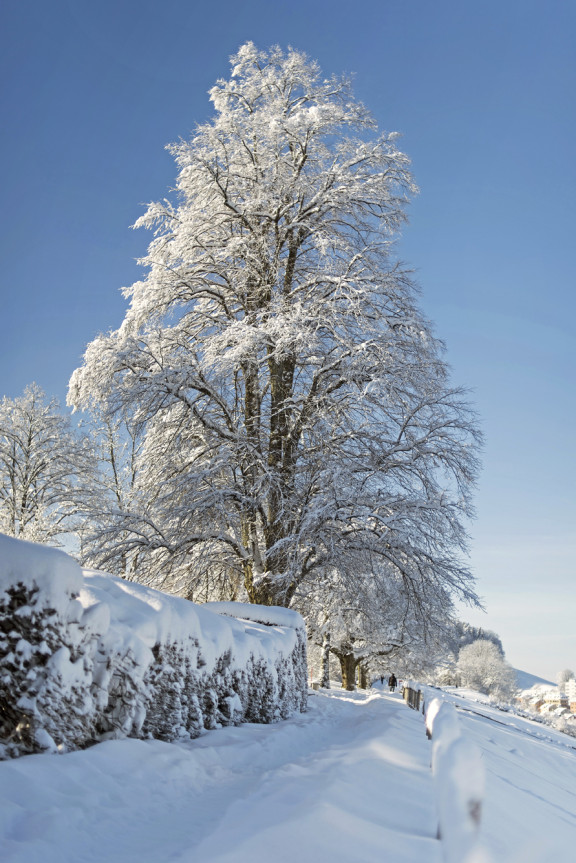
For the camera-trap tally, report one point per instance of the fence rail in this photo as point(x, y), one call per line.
point(458, 772)
point(413, 698)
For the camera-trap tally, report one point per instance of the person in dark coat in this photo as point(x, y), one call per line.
point(392, 682)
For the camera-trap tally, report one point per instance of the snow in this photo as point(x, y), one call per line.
point(529, 806)
point(151, 617)
point(347, 782)
point(85, 656)
point(343, 782)
point(27, 563)
point(271, 616)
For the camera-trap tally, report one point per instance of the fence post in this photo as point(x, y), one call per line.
point(413, 697)
point(458, 773)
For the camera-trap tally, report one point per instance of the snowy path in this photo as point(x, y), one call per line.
point(347, 782)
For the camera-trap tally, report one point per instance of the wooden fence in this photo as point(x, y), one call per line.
point(458, 771)
point(413, 698)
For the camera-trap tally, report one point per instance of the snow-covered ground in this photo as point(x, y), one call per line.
point(530, 801)
point(347, 782)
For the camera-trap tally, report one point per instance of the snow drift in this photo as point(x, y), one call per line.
point(86, 656)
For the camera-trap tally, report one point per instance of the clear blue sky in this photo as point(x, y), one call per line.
point(484, 94)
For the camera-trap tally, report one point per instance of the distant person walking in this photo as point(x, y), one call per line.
point(392, 682)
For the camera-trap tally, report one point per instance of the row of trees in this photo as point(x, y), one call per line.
point(274, 419)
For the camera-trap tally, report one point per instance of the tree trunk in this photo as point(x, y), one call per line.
point(326, 661)
point(348, 666)
point(249, 516)
point(363, 682)
point(281, 465)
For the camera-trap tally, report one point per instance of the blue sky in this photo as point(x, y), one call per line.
point(484, 96)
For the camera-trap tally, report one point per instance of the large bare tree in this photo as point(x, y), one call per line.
point(297, 410)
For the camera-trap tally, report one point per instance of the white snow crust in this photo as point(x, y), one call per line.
point(347, 782)
point(269, 615)
point(148, 616)
point(29, 564)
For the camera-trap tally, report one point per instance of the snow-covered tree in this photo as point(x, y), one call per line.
point(297, 407)
point(351, 620)
point(439, 667)
point(43, 465)
point(563, 677)
point(464, 633)
point(369, 622)
point(110, 497)
point(482, 666)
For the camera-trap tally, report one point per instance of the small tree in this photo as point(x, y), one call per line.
point(43, 467)
point(482, 666)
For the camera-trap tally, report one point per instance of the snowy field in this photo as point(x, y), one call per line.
point(530, 802)
point(346, 782)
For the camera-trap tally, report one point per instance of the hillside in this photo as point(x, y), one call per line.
point(347, 781)
point(525, 680)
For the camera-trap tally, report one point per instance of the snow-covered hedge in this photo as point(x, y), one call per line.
point(85, 656)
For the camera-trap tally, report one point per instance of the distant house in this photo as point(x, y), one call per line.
point(571, 694)
point(555, 698)
point(530, 701)
point(562, 711)
point(542, 699)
